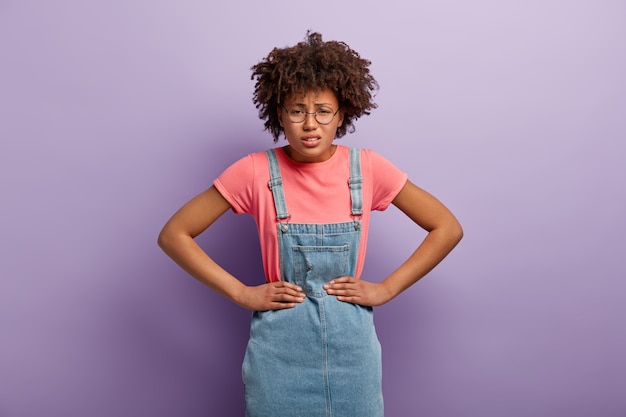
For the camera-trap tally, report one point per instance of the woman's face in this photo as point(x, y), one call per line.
point(309, 140)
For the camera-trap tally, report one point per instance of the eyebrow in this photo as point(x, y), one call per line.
point(315, 104)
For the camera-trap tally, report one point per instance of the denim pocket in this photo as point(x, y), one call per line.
point(314, 266)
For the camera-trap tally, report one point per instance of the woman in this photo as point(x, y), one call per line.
point(313, 350)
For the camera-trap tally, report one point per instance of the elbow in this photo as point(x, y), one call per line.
point(172, 237)
point(165, 239)
point(450, 231)
point(161, 240)
point(459, 233)
point(456, 232)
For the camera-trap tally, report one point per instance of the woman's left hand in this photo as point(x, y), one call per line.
point(356, 291)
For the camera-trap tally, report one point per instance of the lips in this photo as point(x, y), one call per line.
point(311, 141)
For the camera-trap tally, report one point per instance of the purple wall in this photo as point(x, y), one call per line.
point(115, 113)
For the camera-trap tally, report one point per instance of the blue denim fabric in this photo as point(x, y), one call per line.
point(322, 357)
point(355, 182)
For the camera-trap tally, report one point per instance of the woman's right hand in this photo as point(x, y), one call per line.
point(271, 296)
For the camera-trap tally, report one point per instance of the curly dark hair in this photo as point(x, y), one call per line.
point(314, 65)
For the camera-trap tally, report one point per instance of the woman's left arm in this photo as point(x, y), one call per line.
point(444, 232)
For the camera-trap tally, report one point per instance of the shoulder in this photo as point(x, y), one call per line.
point(244, 173)
point(385, 178)
point(372, 163)
point(376, 162)
point(247, 165)
point(240, 183)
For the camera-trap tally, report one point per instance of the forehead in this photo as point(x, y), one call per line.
point(318, 97)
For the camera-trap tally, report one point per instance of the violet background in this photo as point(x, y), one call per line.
point(114, 113)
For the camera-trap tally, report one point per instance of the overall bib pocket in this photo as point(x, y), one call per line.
point(315, 266)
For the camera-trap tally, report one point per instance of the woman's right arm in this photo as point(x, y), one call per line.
point(177, 241)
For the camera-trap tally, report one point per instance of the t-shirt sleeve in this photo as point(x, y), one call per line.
point(236, 184)
point(387, 181)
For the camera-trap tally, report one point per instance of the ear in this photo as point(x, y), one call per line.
point(279, 111)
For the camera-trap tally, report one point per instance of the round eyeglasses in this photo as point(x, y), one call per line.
point(323, 116)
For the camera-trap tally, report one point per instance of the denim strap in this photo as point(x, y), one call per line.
point(276, 185)
point(355, 182)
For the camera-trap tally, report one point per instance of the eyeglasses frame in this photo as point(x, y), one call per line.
point(306, 113)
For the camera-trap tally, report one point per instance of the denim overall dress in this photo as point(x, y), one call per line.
point(321, 358)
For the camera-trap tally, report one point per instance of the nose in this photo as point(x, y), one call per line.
point(310, 122)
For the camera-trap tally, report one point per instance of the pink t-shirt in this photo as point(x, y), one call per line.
point(314, 193)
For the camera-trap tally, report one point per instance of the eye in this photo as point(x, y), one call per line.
point(324, 111)
point(294, 111)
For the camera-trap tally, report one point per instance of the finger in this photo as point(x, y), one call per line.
point(282, 306)
point(349, 299)
point(288, 292)
point(282, 301)
point(288, 297)
point(341, 280)
point(288, 285)
point(344, 292)
point(339, 287)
